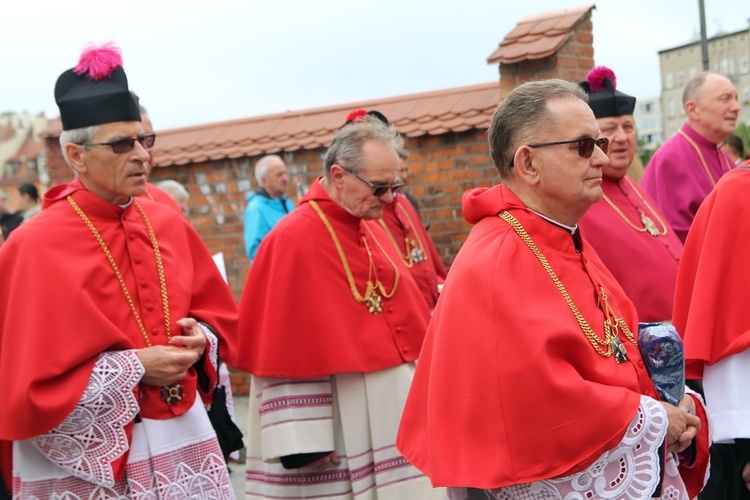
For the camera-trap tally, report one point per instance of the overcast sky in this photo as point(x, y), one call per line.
point(198, 62)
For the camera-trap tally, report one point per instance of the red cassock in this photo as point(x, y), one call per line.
point(298, 316)
point(644, 265)
point(404, 225)
point(708, 309)
point(508, 388)
point(61, 304)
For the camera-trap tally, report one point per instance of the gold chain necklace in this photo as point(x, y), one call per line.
point(648, 222)
point(370, 298)
point(700, 155)
point(414, 248)
point(612, 324)
point(171, 393)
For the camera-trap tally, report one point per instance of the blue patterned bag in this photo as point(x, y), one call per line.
point(661, 349)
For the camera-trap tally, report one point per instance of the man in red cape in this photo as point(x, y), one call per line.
point(626, 228)
point(530, 382)
point(711, 314)
point(331, 324)
point(111, 316)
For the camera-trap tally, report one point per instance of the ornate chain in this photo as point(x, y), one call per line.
point(414, 248)
point(159, 267)
point(700, 155)
point(648, 223)
point(611, 324)
point(370, 298)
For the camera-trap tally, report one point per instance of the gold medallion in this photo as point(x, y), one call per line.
point(618, 349)
point(649, 225)
point(374, 303)
point(172, 393)
point(417, 255)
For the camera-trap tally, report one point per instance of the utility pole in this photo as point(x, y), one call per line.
point(704, 41)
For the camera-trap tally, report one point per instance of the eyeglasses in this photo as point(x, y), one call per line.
point(122, 146)
point(585, 145)
point(379, 190)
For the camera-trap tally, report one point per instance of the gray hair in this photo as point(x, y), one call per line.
point(693, 87)
point(261, 168)
point(173, 189)
point(523, 112)
point(346, 147)
point(76, 136)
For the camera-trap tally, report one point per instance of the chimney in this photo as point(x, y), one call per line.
point(557, 44)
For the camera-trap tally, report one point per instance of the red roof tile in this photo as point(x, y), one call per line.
point(539, 35)
point(456, 109)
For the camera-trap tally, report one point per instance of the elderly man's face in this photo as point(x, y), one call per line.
point(114, 177)
point(620, 130)
point(715, 108)
point(381, 168)
point(567, 183)
point(276, 180)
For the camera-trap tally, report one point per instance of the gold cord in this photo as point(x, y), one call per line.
point(611, 323)
point(648, 223)
point(700, 155)
point(415, 252)
point(370, 298)
point(159, 267)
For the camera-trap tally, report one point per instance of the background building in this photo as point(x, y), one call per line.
point(728, 54)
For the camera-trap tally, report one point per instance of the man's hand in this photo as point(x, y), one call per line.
point(192, 337)
point(166, 365)
point(683, 426)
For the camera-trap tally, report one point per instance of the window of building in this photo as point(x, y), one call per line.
point(670, 108)
point(648, 107)
point(693, 72)
point(668, 82)
point(746, 95)
point(724, 67)
point(680, 78)
point(745, 64)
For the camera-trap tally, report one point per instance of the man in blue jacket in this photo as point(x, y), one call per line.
point(268, 204)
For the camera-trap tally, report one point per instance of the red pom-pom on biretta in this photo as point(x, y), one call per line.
point(597, 76)
point(356, 115)
point(99, 63)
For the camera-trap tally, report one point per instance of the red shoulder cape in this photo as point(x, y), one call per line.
point(712, 279)
point(508, 388)
point(403, 220)
point(298, 317)
point(61, 305)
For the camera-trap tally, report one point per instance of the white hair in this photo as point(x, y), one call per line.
point(173, 189)
point(76, 136)
point(261, 168)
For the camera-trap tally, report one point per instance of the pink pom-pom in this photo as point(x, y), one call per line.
point(596, 78)
point(99, 62)
point(356, 115)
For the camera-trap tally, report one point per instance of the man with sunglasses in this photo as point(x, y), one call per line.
point(627, 228)
point(530, 383)
point(108, 372)
point(332, 323)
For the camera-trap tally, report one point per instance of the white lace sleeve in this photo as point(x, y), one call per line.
point(92, 437)
point(213, 346)
point(630, 470)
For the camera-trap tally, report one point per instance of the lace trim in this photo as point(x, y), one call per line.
point(629, 470)
point(213, 352)
point(93, 436)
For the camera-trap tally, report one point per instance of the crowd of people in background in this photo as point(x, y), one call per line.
point(588, 340)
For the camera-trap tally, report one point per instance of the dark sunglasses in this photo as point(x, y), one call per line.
point(123, 146)
point(585, 145)
point(379, 190)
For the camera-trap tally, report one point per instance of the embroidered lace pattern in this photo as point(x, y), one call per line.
point(212, 348)
point(93, 435)
point(196, 471)
point(628, 471)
